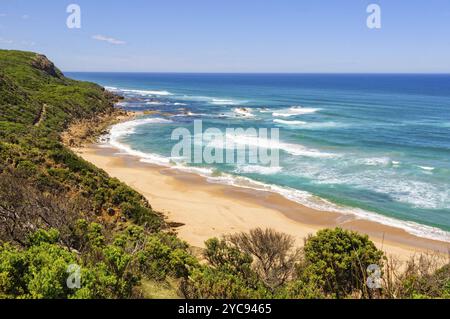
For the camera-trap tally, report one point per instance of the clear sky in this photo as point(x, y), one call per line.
point(233, 35)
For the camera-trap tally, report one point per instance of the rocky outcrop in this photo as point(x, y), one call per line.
point(41, 62)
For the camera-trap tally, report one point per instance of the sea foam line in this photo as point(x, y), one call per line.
point(310, 125)
point(293, 149)
point(301, 197)
point(230, 141)
point(309, 200)
point(289, 122)
point(128, 128)
point(295, 110)
point(139, 92)
point(207, 99)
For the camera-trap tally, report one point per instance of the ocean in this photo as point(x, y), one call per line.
point(374, 146)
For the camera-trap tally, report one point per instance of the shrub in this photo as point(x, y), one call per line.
point(37, 272)
point(159, 259)
point(339, 260)
point(227, 258)
point(210, 283)
point(425, 276)
point(141, 215)
point(274, 254)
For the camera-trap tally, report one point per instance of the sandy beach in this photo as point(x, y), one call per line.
point(209, 210)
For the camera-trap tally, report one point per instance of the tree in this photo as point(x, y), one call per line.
point(425, 276)
point(339, 260)
point(109, 267)
point(40, 271)
point(213, 283)
point(220, 254)
point(24, 209)
point(274, 254)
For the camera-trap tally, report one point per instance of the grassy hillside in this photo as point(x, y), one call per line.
point(78, 213)
point(62, 218)
point(37, 104)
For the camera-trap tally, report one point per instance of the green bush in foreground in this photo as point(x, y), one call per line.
point(266, 264)
point(108, 270)
point(424, 278)
point(117, 267)
point(339, 259)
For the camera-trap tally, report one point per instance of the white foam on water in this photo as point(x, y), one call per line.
point(382, 180)
point(211, 100)
point(121, 130)
point(314, 202)
point(203, 171)
point(293, 149)
point(309, 125)
point(149, 92)
point(127, 128)
point(294, 111)
point(427, 168)
point(232, 140)
point(418, 194)
point(300, 150)
point(191, 114)
point(301, 197)
point(243, 112)
point(257, 169)
point(223, 102)
point(139, 92)
point(265, 110)
point(290, 122)
point(375, 161)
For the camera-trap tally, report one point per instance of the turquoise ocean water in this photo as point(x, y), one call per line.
point(376, 146)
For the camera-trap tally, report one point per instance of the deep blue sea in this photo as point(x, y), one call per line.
point(376, 146)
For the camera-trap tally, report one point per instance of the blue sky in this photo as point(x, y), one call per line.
point(233, 35)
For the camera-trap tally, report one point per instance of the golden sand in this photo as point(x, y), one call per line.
point(209, 210)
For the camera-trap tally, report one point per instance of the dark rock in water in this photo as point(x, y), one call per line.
point(114, 97)
point(41, 62)
point(134, 99)
point(111, 212)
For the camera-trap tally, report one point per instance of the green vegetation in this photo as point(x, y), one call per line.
point(37, 104)
point(56, 209)
point(60, 214)
point(108, 268)
point(339, 260)
point(334, 263)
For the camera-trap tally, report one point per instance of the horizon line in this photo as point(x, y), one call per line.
point(264, 73)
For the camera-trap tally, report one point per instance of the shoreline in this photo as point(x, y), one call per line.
point(209, 210)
